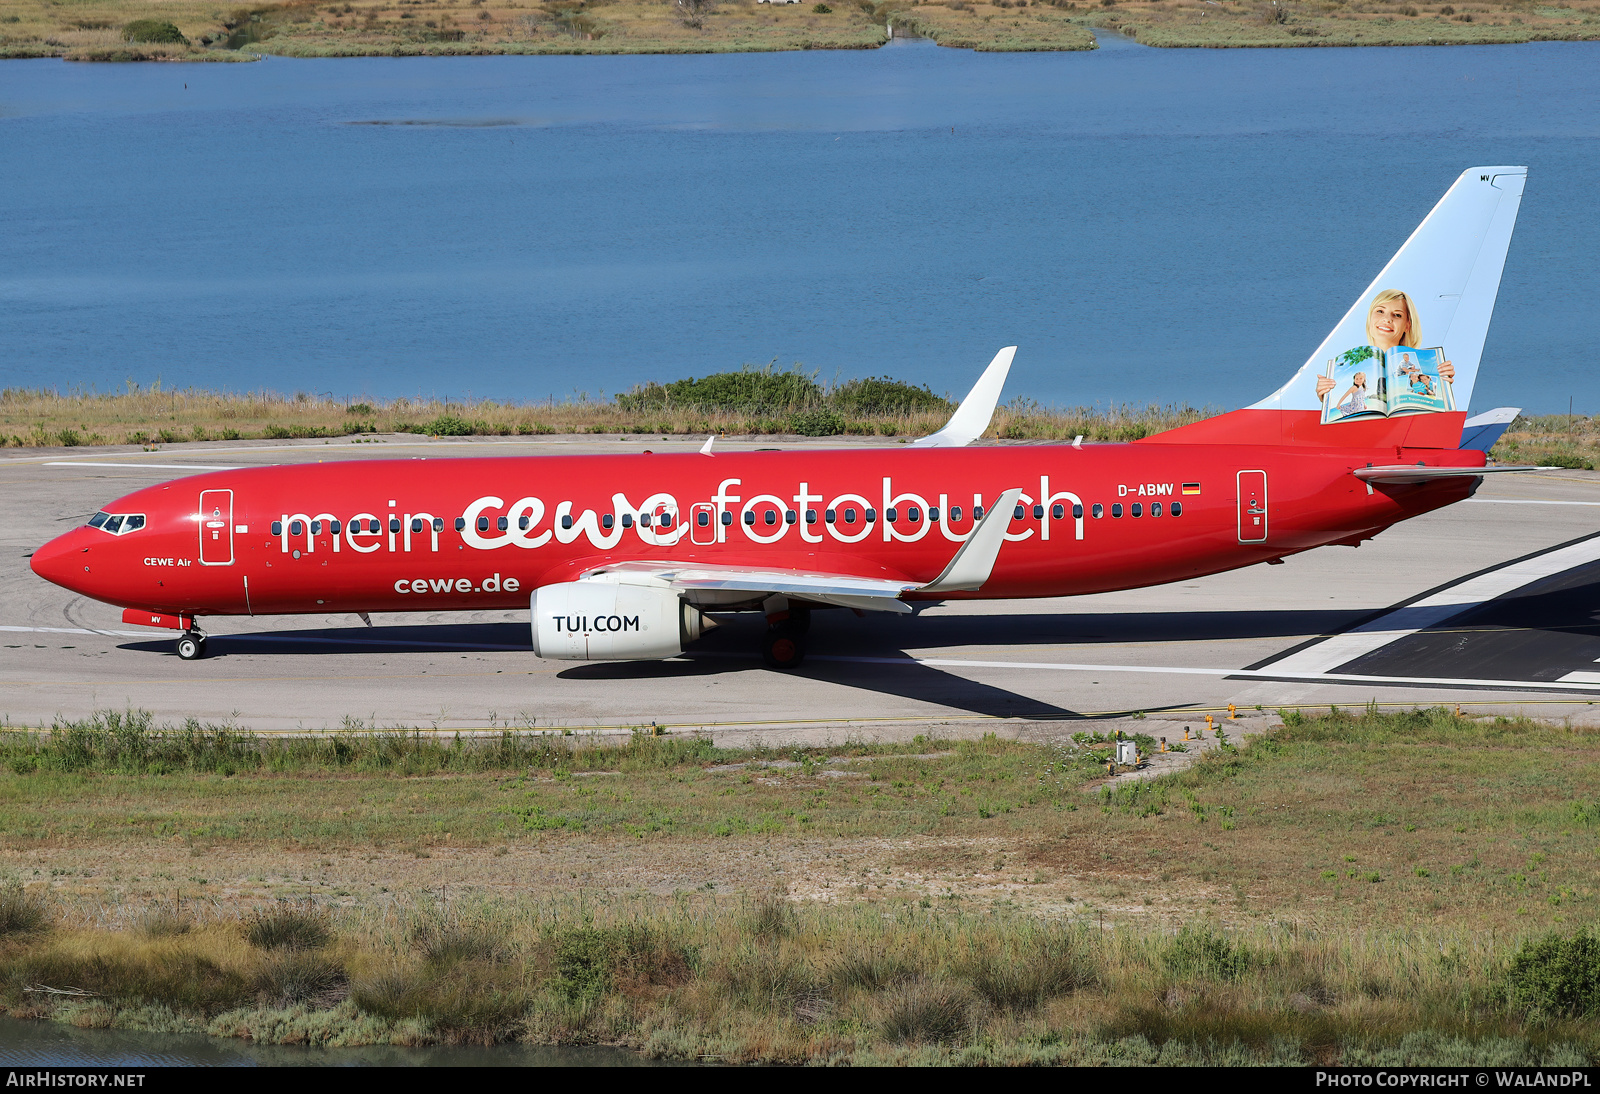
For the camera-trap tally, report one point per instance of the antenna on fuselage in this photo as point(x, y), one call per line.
point(705, 449)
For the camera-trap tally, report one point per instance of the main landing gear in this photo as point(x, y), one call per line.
point(192, 646)
point(784, 645)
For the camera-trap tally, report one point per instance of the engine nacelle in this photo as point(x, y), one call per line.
point(599, 621)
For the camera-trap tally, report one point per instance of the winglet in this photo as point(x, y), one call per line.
point(1481, 431)
point(705, 449)
point(974, 562)
point(972, 417)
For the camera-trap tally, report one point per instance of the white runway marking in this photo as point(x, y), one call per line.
point(1522, 501)
point(74, 630)
point(1272, 673)
point(144, 466)
point(1430, 611)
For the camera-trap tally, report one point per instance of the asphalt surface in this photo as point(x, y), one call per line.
point(1252, 637)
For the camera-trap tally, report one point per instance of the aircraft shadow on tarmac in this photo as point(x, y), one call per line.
point(733, 648)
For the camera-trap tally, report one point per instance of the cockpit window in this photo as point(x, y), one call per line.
point(117, 524)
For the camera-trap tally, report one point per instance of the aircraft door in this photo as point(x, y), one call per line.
point(216, 527)
point(703, 524)
point(1252, 487)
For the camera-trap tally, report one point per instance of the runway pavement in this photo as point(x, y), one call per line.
point(1493, 603)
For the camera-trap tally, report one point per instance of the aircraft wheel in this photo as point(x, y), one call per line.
point(192, 647)
point(784, 647)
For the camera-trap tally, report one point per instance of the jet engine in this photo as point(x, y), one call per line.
point(601, 621)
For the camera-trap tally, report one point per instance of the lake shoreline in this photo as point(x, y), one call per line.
point(630, 27)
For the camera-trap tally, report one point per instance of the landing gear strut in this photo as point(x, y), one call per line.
point(784, 645)
point(192, 646)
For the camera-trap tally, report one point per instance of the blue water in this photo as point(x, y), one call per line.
point(1146, 224)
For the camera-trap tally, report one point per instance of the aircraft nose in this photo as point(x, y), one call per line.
point(59, 560)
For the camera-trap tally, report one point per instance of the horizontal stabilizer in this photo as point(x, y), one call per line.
point(1481, 431)
point(976, 411)
point(1403, 474)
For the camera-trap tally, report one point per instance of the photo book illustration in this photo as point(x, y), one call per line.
point(1372, 383)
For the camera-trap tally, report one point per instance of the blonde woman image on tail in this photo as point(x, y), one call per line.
point(1392, 321)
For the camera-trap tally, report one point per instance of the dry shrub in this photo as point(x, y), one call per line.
point(1030, 970)
point(290, 977)
point(20, 910)
point(289, 926)
point(928, 1011)
point(163, 921)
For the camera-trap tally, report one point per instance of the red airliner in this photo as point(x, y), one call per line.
point(619, 557)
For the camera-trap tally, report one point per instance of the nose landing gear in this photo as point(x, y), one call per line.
point(192, 646)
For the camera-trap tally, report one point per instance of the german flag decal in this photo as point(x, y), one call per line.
point(1191, 488)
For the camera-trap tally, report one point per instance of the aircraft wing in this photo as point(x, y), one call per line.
point(967, 571)
point(972, 417)
point(1402, 474)
point(844, 590)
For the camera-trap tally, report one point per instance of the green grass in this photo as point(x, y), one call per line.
point(1358, 887)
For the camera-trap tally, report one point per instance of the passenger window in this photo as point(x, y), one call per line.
point(316, 527)
point(891, 514)
point(1058, 510)
point(461, 522)
point(703, 519)
point(955, 512)
point(438, 524)
point(977, 512)
point(606, 520)
point(849, 516)
point(1177, 508)
point(1136, 509)
point(811, 516)
point(913, 514)
point(749, 517)
point(133, 523)
point(664, 520)
point(416, 525)
point(334, 526)
point(770, 517)
point(1038, 512)
point(1155, 509)
point(933, 514)
point(627, 520)
point(483, 524)
point(872, 515)
point(789, 516)
point(1077, 512)
point(394, 524)
point(1019, 514)
point(501, 524)
point(522, 522)
point(566, 521)
point(727, 518)
point(295, 527)
point(1098, 511)
point(277, 527)
point(1116, 509)
point(830, 515)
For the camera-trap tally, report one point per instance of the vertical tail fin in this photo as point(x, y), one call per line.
point(1436, 293)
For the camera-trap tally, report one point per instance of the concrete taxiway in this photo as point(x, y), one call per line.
point(1493, 603)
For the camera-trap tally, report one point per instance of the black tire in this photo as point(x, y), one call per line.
point(784, 647)
point(191, 647)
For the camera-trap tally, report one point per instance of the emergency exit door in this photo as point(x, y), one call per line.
point(216, 527)
point(1252, 487)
